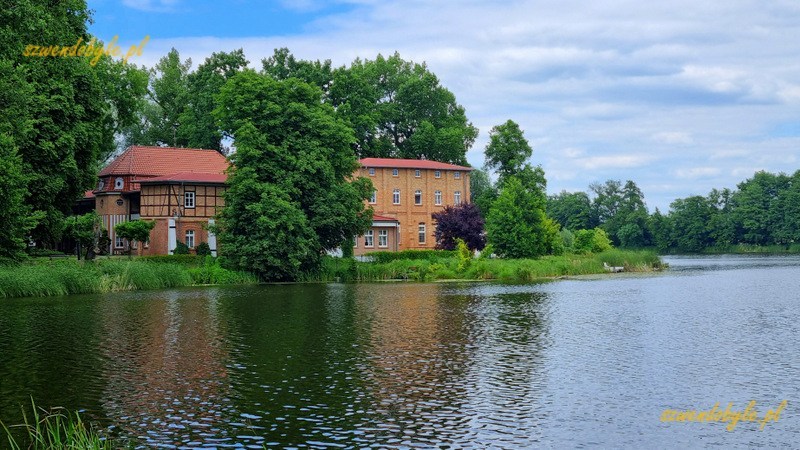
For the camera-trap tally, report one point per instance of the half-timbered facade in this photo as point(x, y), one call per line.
point(180, 189)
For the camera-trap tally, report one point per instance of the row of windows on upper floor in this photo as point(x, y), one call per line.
point(417, 173)
point(437, 197)
point(383, 237)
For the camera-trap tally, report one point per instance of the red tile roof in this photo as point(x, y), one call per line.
point(377, 218)
point(188, 177)
point(88, 194)
point(410, 164)
point(159, 161)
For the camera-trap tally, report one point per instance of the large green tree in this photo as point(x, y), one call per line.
point(508, 150)
point(291, 194)
point(59, 113)
point(282, 65)
point(573, 210)
point(398, 109)
point(198, 128)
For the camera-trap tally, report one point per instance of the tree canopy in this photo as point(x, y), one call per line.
point(508, 150)
point(463, 222)
point(291, 196)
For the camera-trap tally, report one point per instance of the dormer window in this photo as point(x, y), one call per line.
point(119, 183)
point(100, 185)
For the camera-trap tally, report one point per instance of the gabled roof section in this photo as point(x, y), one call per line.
point(187, 177)
point(159, 161)
point(410, 164)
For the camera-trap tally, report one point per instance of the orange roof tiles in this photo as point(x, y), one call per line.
point(410, 164)
point(378, 218)
point(159, 161)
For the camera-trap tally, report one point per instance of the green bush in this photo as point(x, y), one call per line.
point(203, 249)
point(184, 260)
point(181, 249)
point(428, 255)
point(463, 254)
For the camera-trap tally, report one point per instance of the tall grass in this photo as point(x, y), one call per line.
point(750, 248)
point(64, 277)
point(56, 429)
point(510, 270)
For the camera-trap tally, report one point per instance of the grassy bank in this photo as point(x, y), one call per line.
point(54, 429)
point(446, 267)
point(747, 249)
point(63, 277)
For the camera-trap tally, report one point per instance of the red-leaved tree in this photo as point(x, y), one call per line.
point(462, 221)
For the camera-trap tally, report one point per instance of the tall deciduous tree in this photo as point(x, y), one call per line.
point(508, 150)
point(573, 210)
point(463, 222)
point(60, 114)
point(135, 230)
point(483, 192)
point(291, 194)
point(399, 109)
point(197, 127)
point(283, 65)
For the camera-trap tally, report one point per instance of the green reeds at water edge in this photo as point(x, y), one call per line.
point(54, 429)
point(507, 270)
point(50, 278)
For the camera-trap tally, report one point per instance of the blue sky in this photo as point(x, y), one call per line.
point(679, 96)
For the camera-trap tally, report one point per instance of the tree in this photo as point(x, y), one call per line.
point(197, 127)
point(592, 241)
point(617, 207)
point(398, 109)
point(159, 121)
point(291, 194)
point(14, 213)
point(482, 191)
point(135, 230)
point(508, 150)
point(86, 230)
point(60, 114)
point(282, 65)
point(755, 210)
point(572, 210)
point(660, 227)
point(463, 222)
point(690, 223)
point(517, 226)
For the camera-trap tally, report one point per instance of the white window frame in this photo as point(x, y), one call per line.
point(457, 175)
point(396, 197)
point(119, 183)
point(437, 174)
point(383, 238)
point(119, 242)
point(369, 239)
point(101, 185)
point(457, 197)
point(395, 172)
point(421, 233)
point(189, 233)
point(355, 242)
point(372, 171)
point(374, 197)
point(437, 197)
point(187, 196)
point(417, 173)
point(418, 197)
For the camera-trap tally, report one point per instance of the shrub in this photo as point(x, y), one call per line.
point(428, 255)
point(203, 249)
point(181, 249)
point(464, 255)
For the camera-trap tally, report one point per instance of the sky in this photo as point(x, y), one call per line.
point(679, 96)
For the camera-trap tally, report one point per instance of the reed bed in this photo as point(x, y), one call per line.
point(56, 429)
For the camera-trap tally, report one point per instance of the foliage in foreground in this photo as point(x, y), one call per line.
point(508, 270)
point(55, 429)
point(66, 277)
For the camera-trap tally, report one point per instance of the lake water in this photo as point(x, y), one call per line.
point(572, 363)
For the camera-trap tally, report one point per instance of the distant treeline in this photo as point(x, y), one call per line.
point(762, 211)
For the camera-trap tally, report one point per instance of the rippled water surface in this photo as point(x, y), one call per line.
point(574, 363)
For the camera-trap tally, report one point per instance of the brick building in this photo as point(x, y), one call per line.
point(182, 190)
point(179, 188)
point(407, 193)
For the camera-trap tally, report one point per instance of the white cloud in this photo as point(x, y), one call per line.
point(152, 5)
point(614, 161)
point(673, 138)
point(696, 172)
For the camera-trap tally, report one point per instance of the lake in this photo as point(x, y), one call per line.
point(581, 362)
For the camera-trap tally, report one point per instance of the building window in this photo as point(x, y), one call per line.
point(372, 171)
point(368, 238)
point(437, 197)
point(457, 197)
point(396, 197)
point(417, 173)
point(383, 238)
point(395, 172)
point(437, 174)
point(417, 197)
point(374, 197)
point(188, 199)
point(457, 175)
point(119, 242)
point(355, 242)
point(422, 233)
point(119, 183)
point(100, 185)
point(190, 238)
